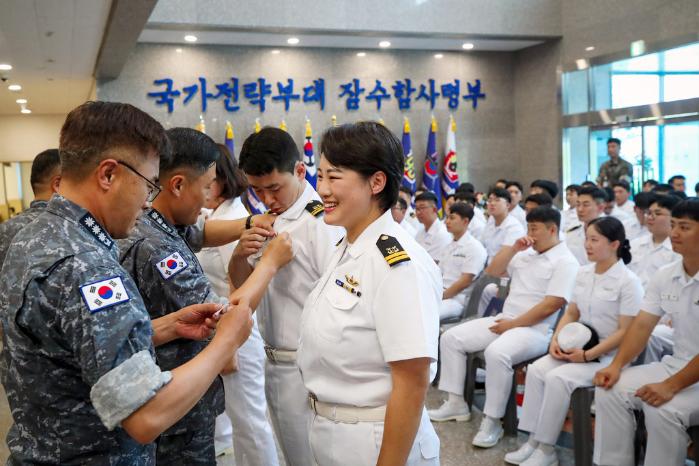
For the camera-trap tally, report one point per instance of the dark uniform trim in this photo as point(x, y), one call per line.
point(92, 226)
point(315, 208)
point(573, 229)
point(392, 251)
point(161, 222)
point(338, 243)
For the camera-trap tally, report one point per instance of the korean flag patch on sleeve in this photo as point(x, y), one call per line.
point(103, 294)
point(171, 265)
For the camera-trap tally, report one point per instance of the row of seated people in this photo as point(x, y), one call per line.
point(604, 289)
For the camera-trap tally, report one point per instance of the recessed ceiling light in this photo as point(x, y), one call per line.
point(5, 67)
point(361, 54)
point(467, 46)
point(438, 55)
point(178, 50)
point(590, 48)
point(21, 101)
point(292, 40)
point(276, 52)
point(384, 44)
point(26, 110)
point(14, 87)
point(190, 38)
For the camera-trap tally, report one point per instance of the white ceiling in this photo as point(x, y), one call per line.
point(52, 46)
point(346, 41)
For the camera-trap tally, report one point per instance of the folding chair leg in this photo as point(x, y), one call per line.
point(581, 402)
point(510, 421)
point(470, 385)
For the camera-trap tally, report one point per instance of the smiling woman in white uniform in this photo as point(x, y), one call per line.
point(606, 297)
point(369, 329)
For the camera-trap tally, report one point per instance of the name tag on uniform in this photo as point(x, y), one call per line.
point(171, 265)
point(669, 297)
point(103, 294)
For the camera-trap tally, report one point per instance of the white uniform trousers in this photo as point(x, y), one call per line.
point(450, 308)
point(549, 386)
point(343, 444)
point(501, 353)
point(287, 398)
point(660, 343)
point(489, 292)
point(666, 425)
point(246, 408)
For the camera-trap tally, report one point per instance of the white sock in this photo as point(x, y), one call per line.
point(456, 399)
point(533, 443)
point(546, 448)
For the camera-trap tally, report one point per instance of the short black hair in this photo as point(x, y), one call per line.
point(609, 193)
point(466, 187)
point(501, 193)
point(232, 179)
point(547, 185)
point(650, 182)
point(644, 200)
point(588, 184)
point(622, 184)
point(679, 194)
point(43, 166)
point(501, 180)
point(574, 187)
point(662, 188)
point(541, 199)
point(401, 202)
point(428, 196)
point(667, 202)
point(616, 140)
point(190, 149)
point(461, 209)
point(465, 196)
point(270, 149)
point(545, 214)
point(611, 228)
point(449, 196)
point(688, 208)
point(406, 190)
point(515, 183)
point(597, 194)
point(676, 177)
point(367, 147)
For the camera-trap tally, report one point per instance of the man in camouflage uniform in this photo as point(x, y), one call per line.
point(78, 361)
point(616, 168)
point(44, 178)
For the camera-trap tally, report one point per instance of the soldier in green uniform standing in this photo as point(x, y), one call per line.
point(615, 169)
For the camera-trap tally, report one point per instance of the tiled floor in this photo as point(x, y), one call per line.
point(456, 448)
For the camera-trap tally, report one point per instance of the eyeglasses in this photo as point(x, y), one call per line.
point(153, 189)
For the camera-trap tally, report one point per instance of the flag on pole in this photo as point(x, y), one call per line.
point(283, 126)
point(308, 158)
point(228, 140)
point(430, 176)
point(409, 169)
point(258, 126)
point(201, 126)
point(450, 177)
point(333, 120)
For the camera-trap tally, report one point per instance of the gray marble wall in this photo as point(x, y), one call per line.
point(485, 136)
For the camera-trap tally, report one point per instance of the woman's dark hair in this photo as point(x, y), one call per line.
point(612, 229)
point(231, 177)
point(366, 147)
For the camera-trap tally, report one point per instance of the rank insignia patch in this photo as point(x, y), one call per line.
point(392, 251)
point(315, 208)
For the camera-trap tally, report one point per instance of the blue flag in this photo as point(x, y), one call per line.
point(409, 171)
point(430, 177)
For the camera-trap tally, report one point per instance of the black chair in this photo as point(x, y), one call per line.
point(581, 406)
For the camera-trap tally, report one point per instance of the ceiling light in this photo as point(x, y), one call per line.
point(361, 54)
point(467, 46)
point(14, 87)
point(292, 40)
point(276, 52)
point(438, 55)
point(190, 38)
point(5, 67)
point(26, 110)
point(384, 44)
point(178, 50)
point(21, 101)
point(590, 48)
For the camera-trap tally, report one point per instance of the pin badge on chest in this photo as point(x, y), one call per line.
point(351, 280)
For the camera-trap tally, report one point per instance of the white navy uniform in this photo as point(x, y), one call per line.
point(465, 255)
point(632, 227)
point(519, 213)
point(575, 240)
point(627, 207)
point(279, 318)
point(435, 239)
point(601, 299)
point(647, 259)
point(409, 226)
point(534, 276)
point(377, 303)
point(671, 292)
point(477, 223)
point(569, 218)
point(246, 404)
point(494, 236)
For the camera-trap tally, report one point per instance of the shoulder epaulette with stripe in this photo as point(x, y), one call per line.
point(338, 243)
point(315, 208)
point(573, 229)
point(392, 251)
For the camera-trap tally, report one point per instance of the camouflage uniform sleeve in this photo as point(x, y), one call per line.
point(109, 332)
point(194, 234)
